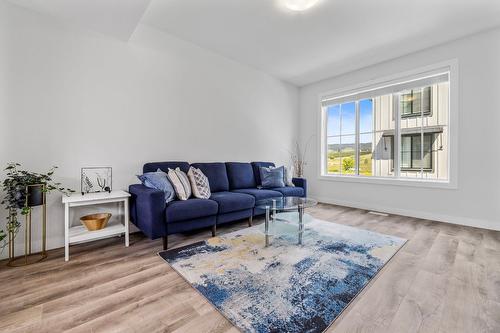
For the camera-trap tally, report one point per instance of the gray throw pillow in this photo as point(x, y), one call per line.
point(158, 180)
point(272, 177)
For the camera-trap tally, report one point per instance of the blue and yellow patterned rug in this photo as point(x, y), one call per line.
point(285, 287)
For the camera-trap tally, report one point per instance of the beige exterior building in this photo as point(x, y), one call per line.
point(424, 112)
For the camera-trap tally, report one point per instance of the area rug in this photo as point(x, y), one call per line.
point(284, 287)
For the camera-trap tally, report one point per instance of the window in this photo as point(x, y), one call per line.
point(342, 138)
point(416, 102)
point(394, 131)
point(411, 146)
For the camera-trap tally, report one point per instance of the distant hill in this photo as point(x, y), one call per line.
point(350, 146)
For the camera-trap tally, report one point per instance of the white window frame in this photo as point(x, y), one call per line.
point(450, 66)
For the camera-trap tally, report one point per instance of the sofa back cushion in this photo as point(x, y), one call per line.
point(256, 170)
point(164, 166)
point(240, 175)
point(216, 174)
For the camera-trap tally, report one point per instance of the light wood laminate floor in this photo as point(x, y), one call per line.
point(445, 279)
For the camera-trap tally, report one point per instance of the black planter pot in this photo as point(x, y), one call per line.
point(35, 197)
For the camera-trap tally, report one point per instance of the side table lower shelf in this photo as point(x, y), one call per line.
point(81, 234)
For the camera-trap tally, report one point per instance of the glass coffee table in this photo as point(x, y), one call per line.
point(276, 205)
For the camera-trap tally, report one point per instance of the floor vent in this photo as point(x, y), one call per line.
point(378, 213)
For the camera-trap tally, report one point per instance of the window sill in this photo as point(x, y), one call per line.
point(416, 115)
point(444, 184)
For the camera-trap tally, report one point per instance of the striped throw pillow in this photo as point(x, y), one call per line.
point(199, 183)
point(180, 182)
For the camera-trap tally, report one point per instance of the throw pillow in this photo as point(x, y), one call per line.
point(181, 184)
point(199, 183)
point(272, 177)
point(288, 176)
point(158, 180)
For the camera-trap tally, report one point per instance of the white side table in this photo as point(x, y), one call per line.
point(79, 234)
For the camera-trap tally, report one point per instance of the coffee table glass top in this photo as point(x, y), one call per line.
point(285, 203)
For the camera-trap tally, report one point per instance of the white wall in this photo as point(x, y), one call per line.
point(75, 98)
point(476, 202)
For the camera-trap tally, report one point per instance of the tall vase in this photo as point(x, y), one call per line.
point(299, 169)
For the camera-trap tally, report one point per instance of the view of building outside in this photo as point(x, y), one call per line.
point(423, 134)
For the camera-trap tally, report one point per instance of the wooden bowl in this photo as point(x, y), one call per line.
point(95, 221)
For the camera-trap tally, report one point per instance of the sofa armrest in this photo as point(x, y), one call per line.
point(301, 182)
point(147, 210)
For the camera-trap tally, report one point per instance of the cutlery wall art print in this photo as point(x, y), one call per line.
point(96, 179)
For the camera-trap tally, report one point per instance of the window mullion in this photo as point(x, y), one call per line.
point(374, 127)
point(324, 126)
point(356, 140)
point(422, 132)
point(340, 139)
point(397, 136)
point(412, 111)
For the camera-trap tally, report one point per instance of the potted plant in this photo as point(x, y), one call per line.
point(24, 190)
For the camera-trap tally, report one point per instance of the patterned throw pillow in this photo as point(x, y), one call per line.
point(199, 183)
point(180, 182)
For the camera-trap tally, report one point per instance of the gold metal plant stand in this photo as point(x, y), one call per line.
point(30, 258)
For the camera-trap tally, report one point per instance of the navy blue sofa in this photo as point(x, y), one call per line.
point(234, 187)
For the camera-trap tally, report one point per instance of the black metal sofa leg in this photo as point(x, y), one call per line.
point(250, 219)
point(165, 242)
point(214, 230)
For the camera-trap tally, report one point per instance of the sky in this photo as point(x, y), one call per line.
point(347, 112)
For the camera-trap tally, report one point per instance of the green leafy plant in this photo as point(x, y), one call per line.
point(347, 163)
point(14, 186)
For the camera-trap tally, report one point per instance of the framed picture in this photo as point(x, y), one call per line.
point(96, 179)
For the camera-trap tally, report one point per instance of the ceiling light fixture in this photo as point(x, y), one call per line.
point(299, 5)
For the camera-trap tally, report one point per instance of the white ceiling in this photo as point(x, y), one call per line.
point(325, 40)
point(333, 37)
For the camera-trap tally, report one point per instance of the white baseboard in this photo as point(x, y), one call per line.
point(477, 223)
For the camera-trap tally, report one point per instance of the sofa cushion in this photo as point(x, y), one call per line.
point(216, 174)
point(190, 209)
point(189, 225)
point(240, 175)
point(164, 166)
point(259, 194)
point(256, 170)
point(232, 201)
point(234, 216)
point(290, 191)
